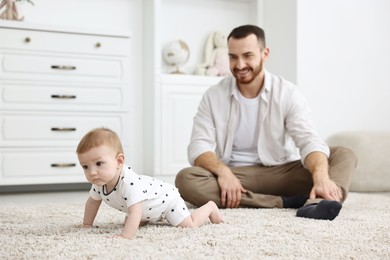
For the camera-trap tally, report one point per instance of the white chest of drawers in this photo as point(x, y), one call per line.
point(57, 84)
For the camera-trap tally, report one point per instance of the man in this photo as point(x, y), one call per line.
point(254, 143)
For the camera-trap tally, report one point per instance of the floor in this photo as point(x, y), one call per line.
point(42, 197)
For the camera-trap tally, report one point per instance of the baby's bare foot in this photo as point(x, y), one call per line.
point(215, 216)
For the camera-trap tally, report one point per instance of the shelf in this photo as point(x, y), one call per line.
point(171, 20)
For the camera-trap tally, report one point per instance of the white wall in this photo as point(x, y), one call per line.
point(344, 62)
point(342, 59)
point(280, 25)
point(112, 14)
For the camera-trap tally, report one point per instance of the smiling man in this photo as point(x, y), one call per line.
point(254, 143)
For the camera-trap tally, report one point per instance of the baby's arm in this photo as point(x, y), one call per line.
point(133, 220)
point(90, 211)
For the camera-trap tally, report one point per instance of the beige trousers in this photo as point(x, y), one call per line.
point(266, 185)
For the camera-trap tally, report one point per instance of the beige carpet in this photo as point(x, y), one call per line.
point(362, 231)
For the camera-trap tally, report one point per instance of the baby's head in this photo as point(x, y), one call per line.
point(98, 137)
point(101, 156)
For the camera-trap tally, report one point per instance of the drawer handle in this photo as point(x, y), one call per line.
point(98, 45)
point(63, 96)
point(63, 129)
point(63, 67)
point(27, 40)
point(63, 165)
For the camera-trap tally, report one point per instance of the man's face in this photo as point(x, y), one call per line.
point(246, 58)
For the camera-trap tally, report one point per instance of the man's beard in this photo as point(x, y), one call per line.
point(255, 72)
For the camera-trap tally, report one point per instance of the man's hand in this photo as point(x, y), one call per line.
point(231, 189)
point(323, 186)
point(326, 189)
point(230, 186)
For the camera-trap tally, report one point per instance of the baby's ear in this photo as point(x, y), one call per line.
point(120, 159)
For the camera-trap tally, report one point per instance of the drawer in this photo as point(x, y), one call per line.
point(40, 163)
point(54, 129)
point(20, 167)
point(61, 68)
point(29, 40)
point(58, 97)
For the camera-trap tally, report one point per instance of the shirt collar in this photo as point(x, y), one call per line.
point(266, 85)
point(234, 88)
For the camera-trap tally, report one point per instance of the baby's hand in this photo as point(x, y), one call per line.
point(119, 236)
point(86, 226)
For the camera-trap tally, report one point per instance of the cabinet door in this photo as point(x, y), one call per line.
point(179, 106)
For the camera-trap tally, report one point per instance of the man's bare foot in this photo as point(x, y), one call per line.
point(215, 216)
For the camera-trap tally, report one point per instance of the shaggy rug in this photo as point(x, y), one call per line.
point(51, 231)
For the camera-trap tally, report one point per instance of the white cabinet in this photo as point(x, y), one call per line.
point(171, 101)
point(56, 84)
point(180, 97)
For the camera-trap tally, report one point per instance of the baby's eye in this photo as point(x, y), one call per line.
point(99, 163)
point(84, 167)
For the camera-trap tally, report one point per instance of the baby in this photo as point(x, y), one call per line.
point(142, 198)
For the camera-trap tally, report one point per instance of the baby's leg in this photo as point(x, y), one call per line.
point(215, 215)
point(200, 215)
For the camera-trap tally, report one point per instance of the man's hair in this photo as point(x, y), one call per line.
point(98, 137)
point(245, 30)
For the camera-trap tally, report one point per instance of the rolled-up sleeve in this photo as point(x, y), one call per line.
point(300, 126)
point(209, 131)
point(203, 131)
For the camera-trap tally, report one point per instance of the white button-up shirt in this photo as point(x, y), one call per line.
point(287, 132)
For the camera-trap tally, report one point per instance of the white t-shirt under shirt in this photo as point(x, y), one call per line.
point(246, 136)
